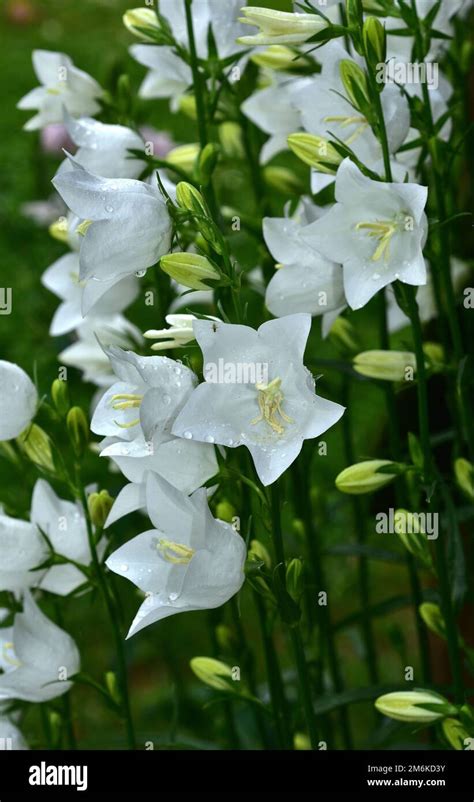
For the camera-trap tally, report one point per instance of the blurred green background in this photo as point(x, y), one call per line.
point(168, 702)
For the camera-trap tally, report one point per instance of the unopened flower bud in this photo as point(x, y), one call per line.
point(225, 511)
point(410, 531)
point(212, 672)
point(60, 396)
point(99, 505)
point(279, 27)
point(464, 472)
point(112, 686)
point(394, 366)
point(456, 735)
point(185, 157)
point(315, 151)
point(375, 41)
point(37, 447)
point(363, 477)
point(189, 198)
point(433, 618)
point(354, 80)
point(403, 706)
point(230, 136)
point(208, 159)
point(294, 578)
point(435, 357)
point(282, 179)
point(301, 742)
point(187, 105)
point(226, 639)
point(78, 429)
point(142, 22)
point(190, 269)
point(260, 553)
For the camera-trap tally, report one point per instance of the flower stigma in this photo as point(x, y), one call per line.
point(270, 399)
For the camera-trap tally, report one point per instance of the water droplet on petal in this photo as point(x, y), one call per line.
point(188, 435)
point(210, 439)
point(109, 208)
point(172, 597)
point(376, 276)
point(140, 273)
point(124, 567)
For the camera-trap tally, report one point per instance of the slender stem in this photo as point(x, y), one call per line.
point(113, 610)
point(197, 78)
point(66, 698)
point(298, 650)
point(430, 477)
point(281, 712)
point(246, 655)
point(232, 734)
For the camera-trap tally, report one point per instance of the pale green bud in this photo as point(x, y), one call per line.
point(277, 57)
point(363, 477)
point(184, 156)
point(435, 357)
point(99, 505)
point(402, 706)
point(344, 335)
point(141, 18)
point(59, 230)
point(112, 686)
point(455, 733)
point(282, 179)
point(354, 80)
point(208, 159)
point(260, 553)
point(301, 742)
point(37, 447)
point(375, 41)
point(187, 105)
point(464, 471)
point(78, 429)
point(393, 366)
point(212, 672)
point(315, 151)
point(226, 639)
point(294, 578)
point(230, 136)
point(225, 511)
point(433, 618)
point(279, 27)
point(189, 198)
point(190, 269)
point(410, 531)
point(60, 396)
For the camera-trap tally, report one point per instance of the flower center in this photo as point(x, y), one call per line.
point(270, 399)
point(382, 231)
point(346, 120)
point(12, 661)
point(176, 553)
point(127, 401)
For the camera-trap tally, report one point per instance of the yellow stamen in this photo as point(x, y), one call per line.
point(345, 121)
point(382, 231)
point(82, 227)
point(126, 401)
point(270, 399)
point(12, 661)
point(176, 553)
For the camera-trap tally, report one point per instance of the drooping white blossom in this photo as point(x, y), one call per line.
point(257, 393)
point(376, 230)
point(62, 86)
point(18, 400)
point(188, 561)
point(44, 657)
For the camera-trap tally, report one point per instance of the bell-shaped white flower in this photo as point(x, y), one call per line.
point(10, 736)
point(64, 525)
point(79, 298)
point(272, 109)
point(18, 400)
point(103, 149)
point(62, 86)
point(257, 393)
point(189, 561)
point(324, 109)
point(136, 416)
point(127, 229)
point(87, 354)
point(169, 75)
point(305, 281)
point(375, 230)
point(22, 549)
point(44, 656)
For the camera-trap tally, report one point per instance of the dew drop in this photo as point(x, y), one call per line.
point(124, 567)
point(172, 597)
point(210, 439)
point(188, 435)
point(140, 273)
point(375, 276)
point(109, 208)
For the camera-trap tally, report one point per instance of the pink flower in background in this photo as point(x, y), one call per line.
point(161, 141)
point(54, 138)
point(20, 12)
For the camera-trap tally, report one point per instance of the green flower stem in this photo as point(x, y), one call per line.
point(430, 478)
point(113, 610)
point(213, 618)
point(324, 617)
point(297, 644)
point(66, 698)
point(281, 713)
